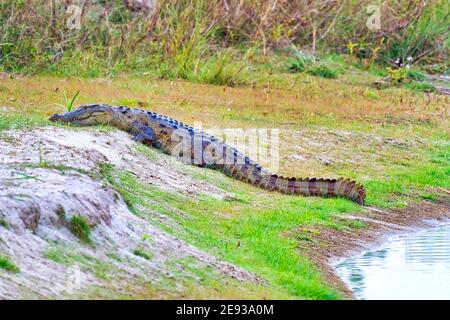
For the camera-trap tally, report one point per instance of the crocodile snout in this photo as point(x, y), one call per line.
point(55, 117)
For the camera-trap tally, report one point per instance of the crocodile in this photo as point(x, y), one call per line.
point(201, 149)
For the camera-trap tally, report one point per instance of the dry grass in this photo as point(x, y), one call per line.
point(310, 100)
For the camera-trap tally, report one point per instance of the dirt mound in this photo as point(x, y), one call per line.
point(83, 149)
point(69, 233)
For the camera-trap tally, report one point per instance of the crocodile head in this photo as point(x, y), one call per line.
point(86, 115)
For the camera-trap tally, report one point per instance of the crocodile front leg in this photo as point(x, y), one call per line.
point(144, 134)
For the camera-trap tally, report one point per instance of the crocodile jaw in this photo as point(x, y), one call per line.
point(88, 115)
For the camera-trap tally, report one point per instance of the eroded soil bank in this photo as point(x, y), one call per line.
point(327, 246)
point(51, 193)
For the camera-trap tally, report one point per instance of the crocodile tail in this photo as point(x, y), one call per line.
point(257, 176)
point(314, 187)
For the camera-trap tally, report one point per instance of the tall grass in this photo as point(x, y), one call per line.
point(178, 37)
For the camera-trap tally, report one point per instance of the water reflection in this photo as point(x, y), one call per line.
point(415, 266)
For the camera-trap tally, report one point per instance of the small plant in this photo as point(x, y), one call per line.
point(146, 237)
point(428, 196)
point(80, 228)
point(68, 103)
point(351, 47)
point(300, 62)
point(323, 71)
point(7, 265)
point(397, 75)
point(142, 253)
point(374, 53)
point(371, 94)
point(4, 223)
point(221, 70)
point(42, 162)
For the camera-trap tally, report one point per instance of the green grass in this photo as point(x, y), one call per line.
point(142, 253)
point(15, 120)
point(305, 63)
point(420, 86)
point(81, 229)
point(254, 221)
point(66, 256)
point(323, 71)
point(300, 62)
point(4, 223)
point(410, 181)
point(7, 265)
point(71, 256)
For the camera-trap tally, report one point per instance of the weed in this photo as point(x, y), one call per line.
point(7, 265)
point(371, 94)
point(397, 75)
point(4, 223)
point(351, 47)
point(69, 103)
point(300, 62)
point(323, 71)
point(80, 228)
point(220, 70)
point(42, 162)
point(429, 196)
point(142, 253)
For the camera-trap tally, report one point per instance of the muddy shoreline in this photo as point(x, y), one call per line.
point(326, 247)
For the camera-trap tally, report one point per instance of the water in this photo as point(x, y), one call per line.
point(414, 266)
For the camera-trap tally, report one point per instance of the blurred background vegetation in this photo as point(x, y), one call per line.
point(216, 41)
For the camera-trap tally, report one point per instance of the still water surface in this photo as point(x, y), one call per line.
point(414, 266)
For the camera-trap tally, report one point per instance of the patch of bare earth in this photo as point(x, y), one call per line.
point(325, 246)
point(46, 180)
